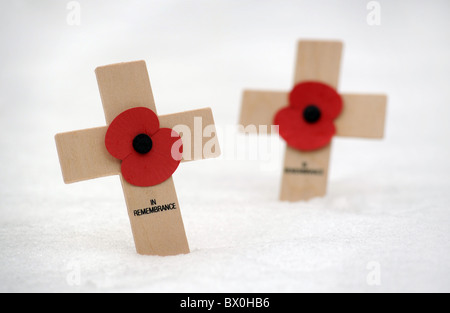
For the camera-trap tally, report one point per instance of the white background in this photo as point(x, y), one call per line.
point(388, 201)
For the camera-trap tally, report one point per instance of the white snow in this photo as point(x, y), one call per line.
point(388, 206)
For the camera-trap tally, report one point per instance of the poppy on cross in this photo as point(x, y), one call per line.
point(137, 146)
point(311, 115)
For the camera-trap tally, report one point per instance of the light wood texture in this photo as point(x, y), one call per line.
point(160, 233)
point(124, 86)
point(83, 155)
point(305, 174)
point(363, 116)
point(259, 107)
point(316, 61)
point(319, 61)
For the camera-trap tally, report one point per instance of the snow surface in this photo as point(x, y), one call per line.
point(388, 203)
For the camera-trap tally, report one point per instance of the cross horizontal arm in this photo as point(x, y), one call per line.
point(83, 155)
point(363, 116)
point(260, 107)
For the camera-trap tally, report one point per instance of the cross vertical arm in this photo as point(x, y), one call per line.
point(319, 61)
point(305, 174)
point(122, 87)
point(312, 167)
point(160, 233)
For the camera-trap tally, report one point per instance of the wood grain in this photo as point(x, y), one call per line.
point(83, 155)
point(160, 233)
point(363, 116)
point(259, 107)
point(124, 86)
point(319, 61)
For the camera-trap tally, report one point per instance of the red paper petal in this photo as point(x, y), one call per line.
point(125, 127)
point(299, 134)
point(159, 164)
point(314, 93)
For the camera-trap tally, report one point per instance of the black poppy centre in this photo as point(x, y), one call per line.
point(312, 114)
point(142, 144)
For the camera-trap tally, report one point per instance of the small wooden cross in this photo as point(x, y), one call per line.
point(306, 173)
point(83, 156)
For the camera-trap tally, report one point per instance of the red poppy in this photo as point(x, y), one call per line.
point(308, 122)
point(149, 154)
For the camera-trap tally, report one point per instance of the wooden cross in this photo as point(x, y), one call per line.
point(83, 156)
point(306, 173)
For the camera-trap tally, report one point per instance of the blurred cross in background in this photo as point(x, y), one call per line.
point(362, 116)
